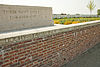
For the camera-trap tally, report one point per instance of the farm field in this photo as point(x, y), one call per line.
point(67, 21)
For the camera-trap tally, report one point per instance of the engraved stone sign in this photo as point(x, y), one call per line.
point(14, 17)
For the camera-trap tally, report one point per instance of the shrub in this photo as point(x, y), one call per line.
point(62, 21)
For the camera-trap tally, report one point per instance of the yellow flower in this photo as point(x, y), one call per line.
point(56, 22)
point(75, 22)
point(67, 22)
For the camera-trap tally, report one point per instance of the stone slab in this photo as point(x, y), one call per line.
point(15, 17)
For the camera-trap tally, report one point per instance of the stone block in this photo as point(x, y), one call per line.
point(14, 17)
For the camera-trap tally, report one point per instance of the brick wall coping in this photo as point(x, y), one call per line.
point(54, 28)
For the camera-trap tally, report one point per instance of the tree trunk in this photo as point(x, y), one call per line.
point(90, 13)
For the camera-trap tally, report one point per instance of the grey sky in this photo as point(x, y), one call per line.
point(59, 6)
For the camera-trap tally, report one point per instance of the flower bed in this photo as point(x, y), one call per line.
point(73, 20)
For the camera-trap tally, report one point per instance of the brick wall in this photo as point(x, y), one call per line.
point(51, 48)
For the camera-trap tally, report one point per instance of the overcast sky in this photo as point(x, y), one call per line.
point(59, 6)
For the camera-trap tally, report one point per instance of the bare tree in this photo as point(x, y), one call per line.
point(91, 6)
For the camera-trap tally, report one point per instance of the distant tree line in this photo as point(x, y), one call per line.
point(98, 12)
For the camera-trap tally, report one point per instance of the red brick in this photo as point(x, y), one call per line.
point(28, 50)
point(44, 50)
point(6, 61)
point(27, 60)
point(40, 55)
point(22, 62)
point(0, 55)
point(35, 48)
point(16, 57)
point(12, 52)
point(6, 54)
point(34, 54)
point(21, 56)
point(40, 50)
point(21, 49)
point(39, 44)
point(12, 59)
point(15, 61)
point(22, 59)
point(7, 57)
point(4, 65)
point(1, 63)
point(1, 58)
